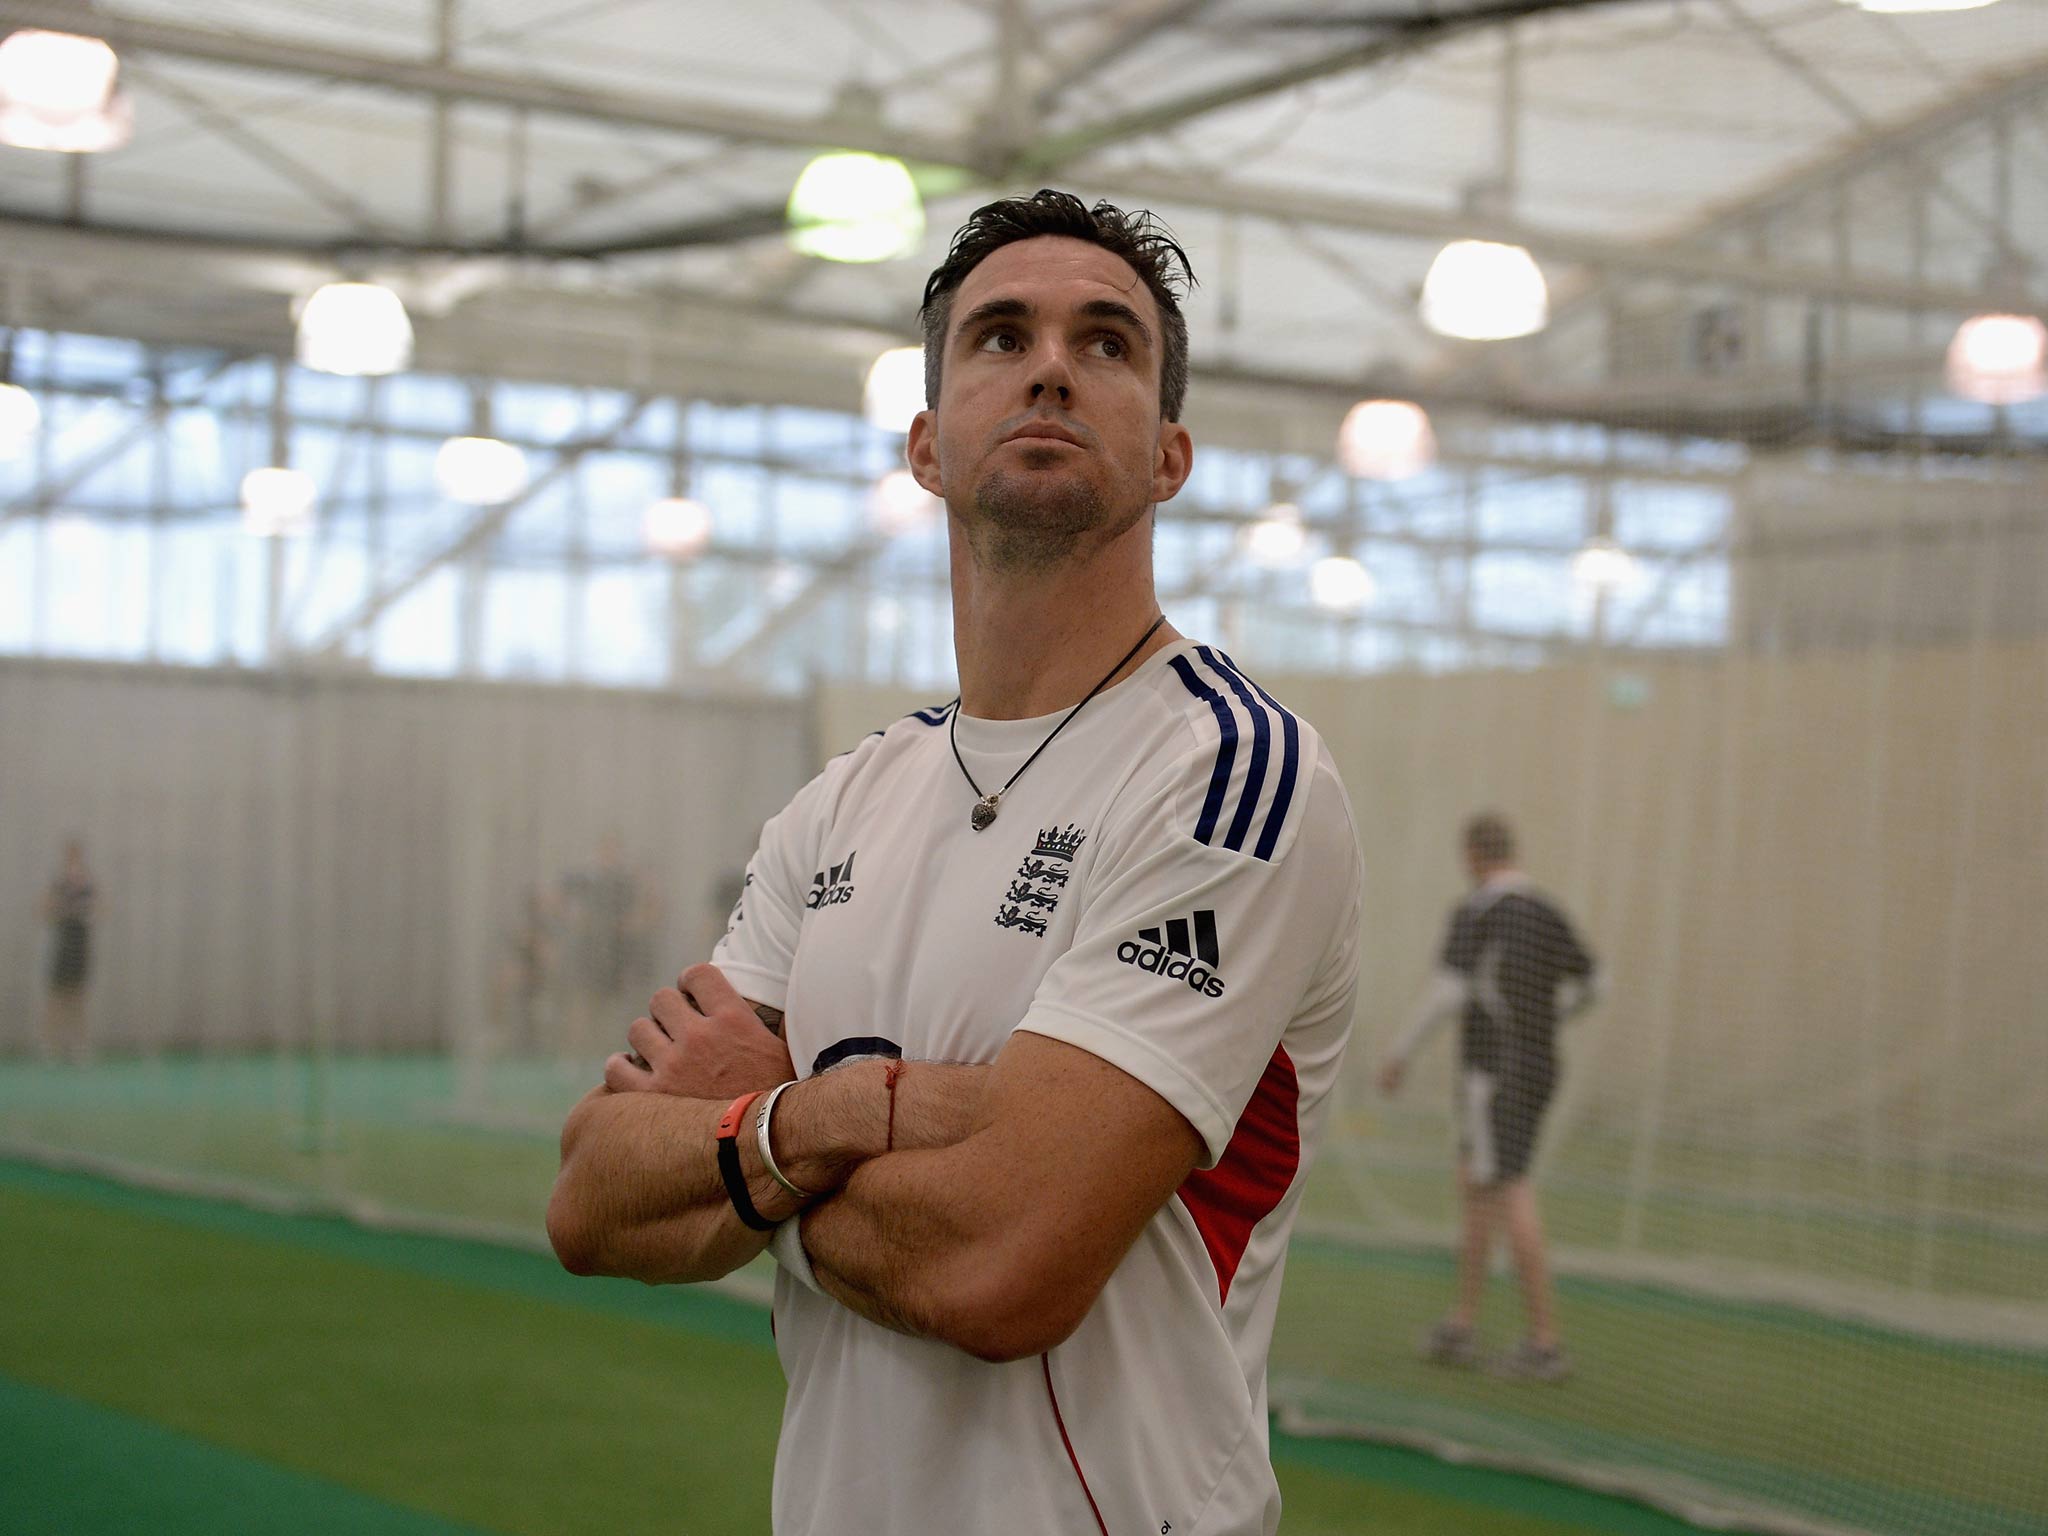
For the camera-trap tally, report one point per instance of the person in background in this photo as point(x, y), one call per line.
point(527, 971)
point(1512, 969)
point(612, 912)
point(68, 906)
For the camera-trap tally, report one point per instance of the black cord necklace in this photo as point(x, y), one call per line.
point(986, 806)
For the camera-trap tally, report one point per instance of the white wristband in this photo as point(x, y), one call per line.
point(788, 1247)
point(764, 1142)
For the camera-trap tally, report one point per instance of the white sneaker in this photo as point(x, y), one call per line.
point(1531, 1362)
point(1450, 1344)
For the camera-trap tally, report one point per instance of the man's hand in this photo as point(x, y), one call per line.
point(1392, 1070)
point(703, 1041)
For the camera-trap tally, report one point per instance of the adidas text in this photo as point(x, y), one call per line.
point(830, 887)
point(1161, 961)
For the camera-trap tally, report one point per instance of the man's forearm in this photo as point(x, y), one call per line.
point(1445, 994)
point(873, 1243)
point(640, 1195)
point(883, 1246)
point(831, 1124)
point(1000, 1244)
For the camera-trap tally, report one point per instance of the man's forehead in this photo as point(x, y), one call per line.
point(1054, 269)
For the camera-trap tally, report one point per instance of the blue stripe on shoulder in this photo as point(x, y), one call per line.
point(1226, 755)
point(935, 716)
point(1262, 740)
point(1290, 763)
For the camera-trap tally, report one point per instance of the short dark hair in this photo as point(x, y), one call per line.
point(1489, 838)
point(1136, 236)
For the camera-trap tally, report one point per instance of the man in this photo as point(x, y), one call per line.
point(1512, 968)
point(1065, 971)
point(68, 906)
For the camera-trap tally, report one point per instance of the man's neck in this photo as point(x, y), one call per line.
point(1034, 642)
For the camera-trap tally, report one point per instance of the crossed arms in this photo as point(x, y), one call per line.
point(1010, 1192)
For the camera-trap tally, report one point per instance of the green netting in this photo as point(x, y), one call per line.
point(1795, 1178)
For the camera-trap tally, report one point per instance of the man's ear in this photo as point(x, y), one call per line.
point(1170, 466)
point(922, 451)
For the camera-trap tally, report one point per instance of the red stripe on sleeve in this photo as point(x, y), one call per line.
point(1253, 1176)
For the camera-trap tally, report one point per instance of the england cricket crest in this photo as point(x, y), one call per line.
point(1040, 879)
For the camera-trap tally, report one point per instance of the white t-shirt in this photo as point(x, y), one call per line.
point(1173, 886)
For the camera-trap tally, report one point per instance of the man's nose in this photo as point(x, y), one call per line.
point(1051, 375)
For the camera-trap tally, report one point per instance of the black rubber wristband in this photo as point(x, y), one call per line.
point(729, 1166)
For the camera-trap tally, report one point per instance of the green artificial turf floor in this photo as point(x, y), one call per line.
point(187, 1366)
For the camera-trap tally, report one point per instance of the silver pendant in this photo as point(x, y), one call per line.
point(984, 812)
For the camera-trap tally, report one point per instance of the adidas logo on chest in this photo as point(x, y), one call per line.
point(830, 887)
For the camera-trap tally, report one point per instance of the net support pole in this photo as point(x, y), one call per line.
point(1584, 882)
point(1880, 690)
point(1674, 863)
point(467, 1029)
point(1940, 1147)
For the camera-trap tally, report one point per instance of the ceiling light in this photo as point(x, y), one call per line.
point(19, 418)
point(1999, 359)
point(897, 504)
point(1906, 7)
point(848, 206)
point(1340, 584)
point(1277, 539)
point(1386, 440)
point(278, 502)
point(480, 471)
point(57, 93)
point(1482, 291)
point(895, 389)
point(1603, 565)
point(354, 329)
point(676, 527)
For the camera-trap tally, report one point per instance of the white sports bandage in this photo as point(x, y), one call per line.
point(788, 1247)
point(1575, 994)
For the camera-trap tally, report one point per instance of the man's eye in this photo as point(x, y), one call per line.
point(1000, 341)
point(1113, 346)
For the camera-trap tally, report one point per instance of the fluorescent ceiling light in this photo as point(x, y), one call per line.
point(1277, 539)
point(480, 471)
point(1999, 359)
point(1603, 565)
point(848, 206)
point(897, 504)
point(1340, 584)
point(1386, 440)
point(676, 527)
point(895, 389)
point(1908, 7)
point(354, 329)
point(57, 93)
point(1482, 291)
point(278, 502)
point(19, 418)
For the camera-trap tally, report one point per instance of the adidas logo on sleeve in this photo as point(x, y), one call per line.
point(1181, 949)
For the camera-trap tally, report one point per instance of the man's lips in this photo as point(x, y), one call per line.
point(1043, 432)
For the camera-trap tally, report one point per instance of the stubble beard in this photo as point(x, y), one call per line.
point(1021, 526)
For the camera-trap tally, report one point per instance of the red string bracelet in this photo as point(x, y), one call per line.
point(889, 1075)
